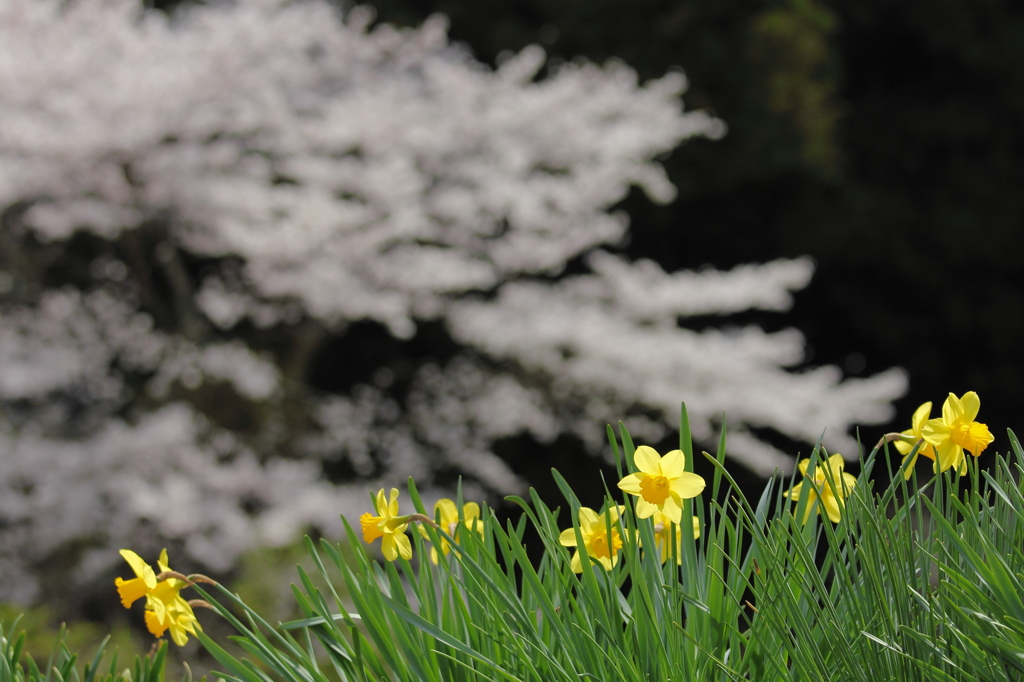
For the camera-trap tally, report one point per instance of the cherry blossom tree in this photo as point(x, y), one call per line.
point(197, 206)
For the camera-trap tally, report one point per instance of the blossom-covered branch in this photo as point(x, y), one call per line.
point(198, 206)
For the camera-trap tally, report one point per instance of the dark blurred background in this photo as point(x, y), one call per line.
point(883, 139)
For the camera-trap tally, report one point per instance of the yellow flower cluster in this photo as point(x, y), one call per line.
point(166, 609)
point(447, 515)
point(390, 526)
point(825, 490)
point(661, 483)
point(944, 439)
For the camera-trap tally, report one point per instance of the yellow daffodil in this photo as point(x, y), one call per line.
point(175, 615)
point(601, 545)
point(663, 536)
point(913, 435)
point(165, 607)
point(662, 483)
point(448, 515)
point(956, 431)
point(819, 489)
point(387, 524)
point(141, 585)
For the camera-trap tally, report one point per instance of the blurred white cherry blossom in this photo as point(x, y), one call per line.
point(194, 206)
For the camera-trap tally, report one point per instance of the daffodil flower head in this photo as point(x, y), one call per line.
point(662, 483)
point(600, 534)
point(387, 524)
point(913, 436)
point(165, 607)
point(956, 431)
point(180, 620)
point(447, 515)
point(663, 527)
point(828, 488)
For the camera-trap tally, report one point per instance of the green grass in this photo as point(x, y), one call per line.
point(916, 582)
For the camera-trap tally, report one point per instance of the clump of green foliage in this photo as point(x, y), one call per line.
point(17, 664)
point(902, 582)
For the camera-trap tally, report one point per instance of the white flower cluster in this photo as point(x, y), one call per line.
point(612, 342)
point(367, 175)
point(303, 173)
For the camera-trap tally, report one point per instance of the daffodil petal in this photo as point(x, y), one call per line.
point(140, 567)
point(631, 483)
point(387, 546)
point(952, 409)
point(836, 463)
point(921, 415)
point(404, 546)
point(647, 460)
point(946, 455)
point(687, 485)
point(567, 538)
point(673, 462)
point(971, 403)
point(811, 507)
point(589, 518)
point(672, 510)
point(935, 431)
point(645, 509)
point(179, 634)
point(909, 471)
point(832, 508)
point(163, 562)
point(449, 512)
